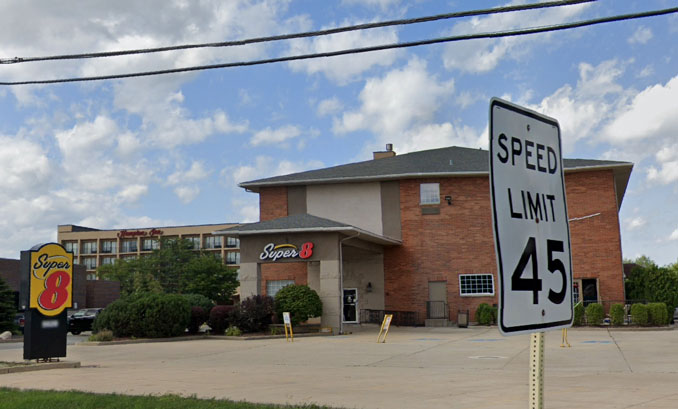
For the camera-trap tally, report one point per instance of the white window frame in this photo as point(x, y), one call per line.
point(476, 285)
point(273, 286)
point(427, 195)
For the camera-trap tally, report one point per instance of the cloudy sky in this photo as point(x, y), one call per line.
point(170, 150)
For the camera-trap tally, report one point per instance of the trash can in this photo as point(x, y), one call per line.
point(462, 319)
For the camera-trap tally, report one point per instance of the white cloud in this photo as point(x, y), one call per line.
point(187, 193)
point(25, 167)
point(329, 106)
point(641, 36)
point(193, 174)
point(382, 4)
point(478, 56)
point(674, 235)
point(271, 136)
point(343, 69)
point(393, 103)
point(132, 193)
point(265, 166)
point(635, 223)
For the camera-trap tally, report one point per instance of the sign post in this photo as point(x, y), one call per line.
point(531, 230)
point(47, 281)
point(287, 322)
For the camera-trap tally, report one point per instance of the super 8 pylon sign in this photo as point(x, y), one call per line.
point(51, 282)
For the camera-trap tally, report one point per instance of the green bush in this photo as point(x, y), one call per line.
point(617, 314)
point(639, 314)
point(657, 314)
point(233, 332)
point(145, 316)
point(594, 314)
point(254, 314)
point(198, 300)
point(7, 308)
point(300, 301)
point(116, 318)
point(101, 336)
point(219, 318)
point(578, 314)
point(485, 314)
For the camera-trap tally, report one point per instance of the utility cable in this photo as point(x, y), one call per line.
point(499, 34)
point(496, 10)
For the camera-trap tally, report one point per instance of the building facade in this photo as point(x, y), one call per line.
point(93, 247)
point(413, 234)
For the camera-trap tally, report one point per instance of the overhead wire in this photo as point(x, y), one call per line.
point(498, 34)
point(336, 30)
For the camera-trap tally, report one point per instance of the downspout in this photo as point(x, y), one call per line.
point(341, 281)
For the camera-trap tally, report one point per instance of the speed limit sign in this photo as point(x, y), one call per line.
point(531, 230)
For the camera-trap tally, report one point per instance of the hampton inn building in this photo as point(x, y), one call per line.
point(407, 233)
point(94, 247)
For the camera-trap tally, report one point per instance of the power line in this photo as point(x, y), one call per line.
point(499, 34)
point(496, 10)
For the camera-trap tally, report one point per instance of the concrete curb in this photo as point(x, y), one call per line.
point(199, 337)
point(39, 367)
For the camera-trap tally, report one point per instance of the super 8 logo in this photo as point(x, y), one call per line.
point(51, 279)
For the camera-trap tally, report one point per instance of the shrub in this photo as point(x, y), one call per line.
point(7, 308)
point(199, 300)
point(219, 318)
point(617, 314)
point(198, 317)
point(168, 316)
point(639, 314)
point(116, 318)
point(233, 331)
point(300, 301)
point(594, 314)
point(254, 314)
point(485, 314)
point(657, 314)
point(101, 336)
point(578, 314)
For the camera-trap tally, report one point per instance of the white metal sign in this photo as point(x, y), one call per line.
point(531, 230)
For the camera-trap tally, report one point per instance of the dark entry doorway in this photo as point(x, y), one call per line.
point(350, 313)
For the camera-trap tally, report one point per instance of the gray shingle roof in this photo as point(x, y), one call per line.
point(449, 161)
point(303, 223)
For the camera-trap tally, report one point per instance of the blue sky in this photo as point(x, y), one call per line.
point(170, 150)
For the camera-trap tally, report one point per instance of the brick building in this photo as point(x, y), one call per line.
point(413, 233)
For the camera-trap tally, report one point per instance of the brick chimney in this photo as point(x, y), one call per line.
point(388, 153)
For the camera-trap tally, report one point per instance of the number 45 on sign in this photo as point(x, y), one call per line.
point(531, 229)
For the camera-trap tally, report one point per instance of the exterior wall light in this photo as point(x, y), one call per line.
point(369, 287)
point(449, 200)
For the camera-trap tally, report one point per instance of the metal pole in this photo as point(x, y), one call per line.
point(537, 370)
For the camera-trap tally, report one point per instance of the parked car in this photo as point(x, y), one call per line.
point(82, 320)
point(20, 321)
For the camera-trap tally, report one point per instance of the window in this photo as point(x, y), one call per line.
point(71, 246)
point(232, 242)
point(476, 284)
point(150, 244)
point(89, 247)
point(195, 242)
point(273, 286)
point(107, 261)
point(89, 262)
point(233, 257)
point(108, 247)
point(91, 276)
point(129, 246)
point(128, 258)
point(430, 193)
point(213, 242)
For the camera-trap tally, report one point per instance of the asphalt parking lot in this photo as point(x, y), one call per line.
point(415, 368)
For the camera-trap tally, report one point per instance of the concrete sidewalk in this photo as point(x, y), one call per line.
point(415, 368)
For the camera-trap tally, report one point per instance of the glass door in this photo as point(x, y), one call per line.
point(350, 305)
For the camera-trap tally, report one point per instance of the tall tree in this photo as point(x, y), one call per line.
point(207, 275)
point(7, 307)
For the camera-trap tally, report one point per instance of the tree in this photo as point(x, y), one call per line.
point(133, 275)
point(207, 275)
point(7, 307)
point(168, 263)
point(301, 301)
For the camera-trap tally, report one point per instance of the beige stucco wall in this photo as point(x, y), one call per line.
point(362, 267)
point(357, 204)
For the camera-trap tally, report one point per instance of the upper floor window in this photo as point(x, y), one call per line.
point(150, 244)
point(430, 193)
point(90, 262)
point(107, 261)
point(232, 242)
point(129, 246)
point(213, 242)
point(195, 242)
point(232, 257)
point(71, 246)
point(108, 246)
point(89, 247)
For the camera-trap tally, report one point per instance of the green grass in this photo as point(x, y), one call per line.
point(34, 399)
